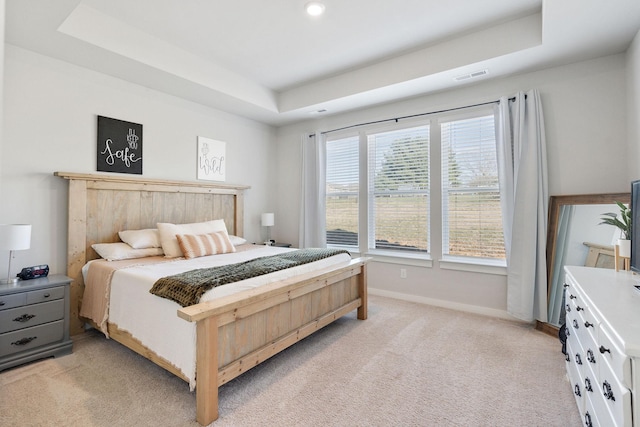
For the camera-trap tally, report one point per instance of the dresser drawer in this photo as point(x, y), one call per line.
point(575, 377)
point(31, 315)
point(12, 300)
point(43, 295)
point(617, 397)
point(619, 363)
point(595, 414)
point(25, 339)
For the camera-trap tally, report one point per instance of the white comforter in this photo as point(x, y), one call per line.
point(154, 321)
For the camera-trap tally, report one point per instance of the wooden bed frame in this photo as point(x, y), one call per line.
point(234, 333)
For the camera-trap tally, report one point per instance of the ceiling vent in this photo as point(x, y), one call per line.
point(471, 75)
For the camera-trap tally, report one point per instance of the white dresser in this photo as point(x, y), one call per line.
point(603, 344)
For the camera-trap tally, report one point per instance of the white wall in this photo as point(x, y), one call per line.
point(585, 112)
point(50, 110)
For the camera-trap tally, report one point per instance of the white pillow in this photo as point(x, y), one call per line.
point(169, 231)
point(118, 251)
point(237, 240)
point(140, 239)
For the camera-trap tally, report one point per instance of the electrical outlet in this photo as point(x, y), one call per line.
point(403, 273)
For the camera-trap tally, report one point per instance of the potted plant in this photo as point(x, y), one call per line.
point(623, 222)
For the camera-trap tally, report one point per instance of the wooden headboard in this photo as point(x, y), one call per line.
point(101, 205)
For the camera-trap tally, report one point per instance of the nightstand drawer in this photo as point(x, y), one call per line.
point(25, 339)
point(43, 295)
point(12, 300)
point(31, 315)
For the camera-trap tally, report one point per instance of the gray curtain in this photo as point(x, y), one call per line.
point(522, 163)
point(313, 227)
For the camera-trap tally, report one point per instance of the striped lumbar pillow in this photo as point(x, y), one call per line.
point(194, 246)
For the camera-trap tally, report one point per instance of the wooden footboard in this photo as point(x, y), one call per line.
point(234, 333)
point(238, 332)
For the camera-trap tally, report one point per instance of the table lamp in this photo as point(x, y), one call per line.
point(268, 219)
point(14, 237)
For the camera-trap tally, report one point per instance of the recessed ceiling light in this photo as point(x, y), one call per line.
point(314, 8)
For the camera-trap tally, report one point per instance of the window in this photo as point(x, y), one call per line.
point(471, 212)
point(380, 198)
point(399, 189)
point(343, 186)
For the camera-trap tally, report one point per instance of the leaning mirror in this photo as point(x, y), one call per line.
point(575, 238)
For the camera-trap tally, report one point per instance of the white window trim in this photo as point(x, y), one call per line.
point(430, 258)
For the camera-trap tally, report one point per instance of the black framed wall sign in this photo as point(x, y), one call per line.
point(119, 146)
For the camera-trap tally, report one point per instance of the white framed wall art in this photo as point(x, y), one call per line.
point(211, 159)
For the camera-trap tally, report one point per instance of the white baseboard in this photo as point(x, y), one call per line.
point(491, 312)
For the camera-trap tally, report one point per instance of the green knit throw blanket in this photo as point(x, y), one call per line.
point(187, 288)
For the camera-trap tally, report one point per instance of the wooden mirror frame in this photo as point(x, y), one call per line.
point(556, 203)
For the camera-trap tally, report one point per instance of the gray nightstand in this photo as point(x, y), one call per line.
point(34, 320)
point(281, 245)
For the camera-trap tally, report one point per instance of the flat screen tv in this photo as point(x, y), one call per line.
point(635, 226)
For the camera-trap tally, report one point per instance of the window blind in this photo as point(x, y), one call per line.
point(471, 213)
point(399, 189)
point(342, 186)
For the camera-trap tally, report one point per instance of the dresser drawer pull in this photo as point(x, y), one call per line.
point(608, 393)
point(567, 357)
point(576, 390)
point(1, 303)
point(587, 324)
point(590, 356)
point(604, 350)
point(567, 308)
point(565, 286)
point(572, 297)
point(24, 318)
point(578, 359)
point(47, 295)
point(587, 385)
point(24, 341)
point(587, 420)
point(578, 308)
point(575, 324)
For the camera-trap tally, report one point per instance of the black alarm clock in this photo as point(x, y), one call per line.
point(34, 272)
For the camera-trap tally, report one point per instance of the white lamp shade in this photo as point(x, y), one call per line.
point(268, 219)
point(15, 237)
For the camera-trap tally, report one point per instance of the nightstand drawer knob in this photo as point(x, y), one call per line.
point(47, 295)
point(24, 318)
point(1, 303)
point(24, 341)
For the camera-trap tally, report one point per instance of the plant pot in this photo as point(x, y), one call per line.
point(624, 248)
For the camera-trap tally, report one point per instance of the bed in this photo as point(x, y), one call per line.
point(233, 332)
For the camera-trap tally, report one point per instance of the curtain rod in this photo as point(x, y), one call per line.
point(409, 117)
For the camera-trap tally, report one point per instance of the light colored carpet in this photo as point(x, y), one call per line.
point(407, 365)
